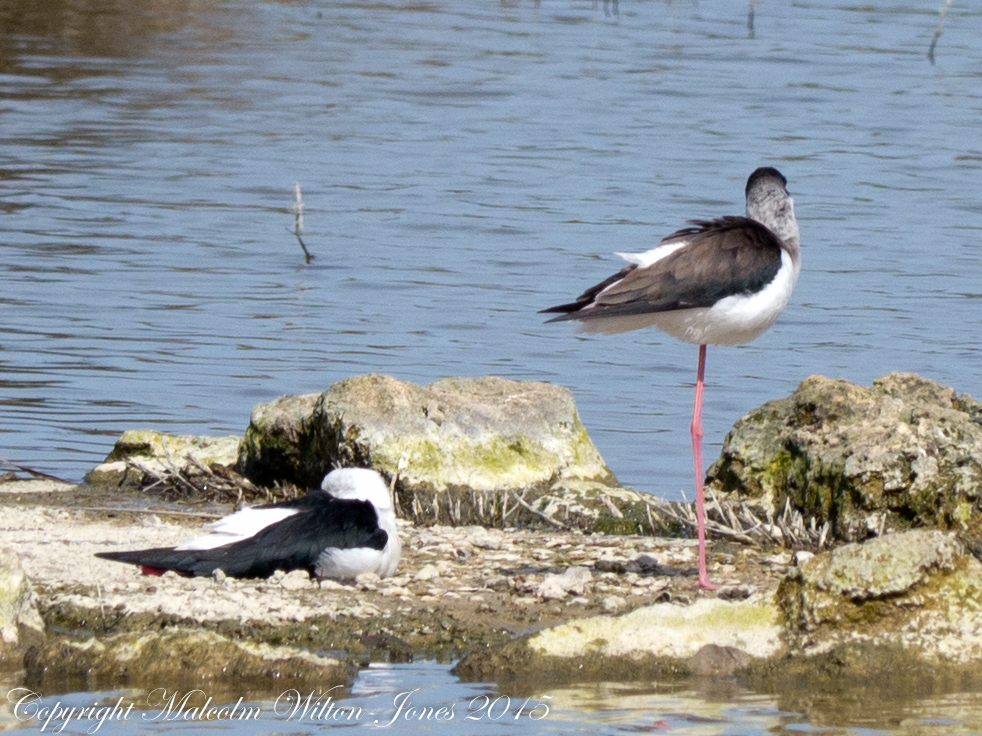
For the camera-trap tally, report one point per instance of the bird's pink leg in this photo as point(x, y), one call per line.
point(697, 458)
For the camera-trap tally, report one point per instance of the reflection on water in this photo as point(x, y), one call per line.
point(424, 698)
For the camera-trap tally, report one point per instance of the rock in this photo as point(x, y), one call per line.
point(919, 591)
point(278, 438)
point(893, 615)
point(586, 505)
point(492, 433)
point(781, 559)
point(20, 622)
point(801, 557)
point(368, 580)
point(905, 453)
point(647, 563)
point(652, 641)
point(159, 450)
point(179, 660)
point(427, 572)
point(614, 604)
point(735, 592)
point(484, 538)
point(574, 580)
point(715, 661)
point(295, 580)
point(668, 630)
point(495, 441)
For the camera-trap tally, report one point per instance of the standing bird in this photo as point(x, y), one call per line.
point(346, 528)
point(719, 282)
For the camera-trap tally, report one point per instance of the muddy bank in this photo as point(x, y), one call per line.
point(457, 590)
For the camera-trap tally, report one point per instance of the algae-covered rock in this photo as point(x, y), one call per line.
point(158, 451)
point(278, 442)
point(462, 449)
point(668, 630)
point(709, 636)
point(180, 660)
point(905, 453)
point(918, 592)
point(20, 622)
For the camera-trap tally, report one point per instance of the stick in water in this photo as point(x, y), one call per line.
point(298, 220)
point(937, 33)
point(35, 473)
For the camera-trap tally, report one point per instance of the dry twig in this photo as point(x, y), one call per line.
point(32, 471)
point(548, 518)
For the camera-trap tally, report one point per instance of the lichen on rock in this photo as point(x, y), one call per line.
point(918, 590)
point(142, 452)
point(461, 449)
point(179, 660)
point(902, 454)
point(710, 636)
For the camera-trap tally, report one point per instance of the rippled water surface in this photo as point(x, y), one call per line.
point(463, 165)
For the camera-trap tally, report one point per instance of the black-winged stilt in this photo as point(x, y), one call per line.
point(720, 281)
point(346, 528)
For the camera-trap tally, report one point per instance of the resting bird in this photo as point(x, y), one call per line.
point(719, 282)
point(345, 529)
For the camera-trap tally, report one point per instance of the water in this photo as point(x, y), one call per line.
point(464, 165)
point(423, 698)
point(461, 169)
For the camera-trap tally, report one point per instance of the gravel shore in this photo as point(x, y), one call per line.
point(456, 587)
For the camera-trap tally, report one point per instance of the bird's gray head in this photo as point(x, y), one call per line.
point(360, 484)
point(769, 203)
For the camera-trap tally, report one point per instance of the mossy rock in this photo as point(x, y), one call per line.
point(21, 626)
point(918, 590)
point(462, 450)
point(180, 660)
point(656, 641)
point(904, 453)
point(158, 451)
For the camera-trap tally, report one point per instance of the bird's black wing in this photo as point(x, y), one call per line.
point(294, 543)
point(723, 257)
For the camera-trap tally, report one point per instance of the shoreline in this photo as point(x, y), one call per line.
point(457, 589)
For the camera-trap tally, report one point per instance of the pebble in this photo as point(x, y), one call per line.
point(781, 559)
point(368, 579)
point(801, 557)
point(614, 603)
point(510, 573)
point(573, 580)
point(295, 580)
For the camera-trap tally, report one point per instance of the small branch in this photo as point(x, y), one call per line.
point(614, 511)
point(548, 518)
point(35, 473)
point(505, 513)
point(298, 220)
point(751, 11)
point(937, 32)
